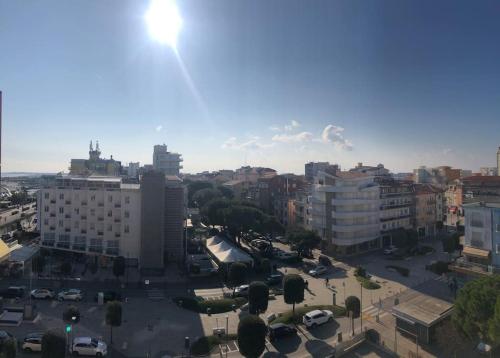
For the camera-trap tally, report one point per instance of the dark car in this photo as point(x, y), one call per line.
point(12, 292)
point(4, 337)
point(280, 330)
point(109, 296)
point(274, 279)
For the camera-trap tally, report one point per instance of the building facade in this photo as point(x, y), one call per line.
point(102, 216)
point(345, 212)
point(312, 169)
point(428, 210)
point(166, 162)
point(481, 252)
point(95, 165)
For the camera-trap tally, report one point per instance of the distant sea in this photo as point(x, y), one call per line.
point(24, 174)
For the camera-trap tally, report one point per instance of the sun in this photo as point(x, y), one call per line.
point(164, 22)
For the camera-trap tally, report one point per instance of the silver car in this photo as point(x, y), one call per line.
point(70, 295)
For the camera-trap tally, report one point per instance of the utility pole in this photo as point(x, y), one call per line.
point(361, 307)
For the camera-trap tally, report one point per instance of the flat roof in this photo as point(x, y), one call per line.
point(424, 309)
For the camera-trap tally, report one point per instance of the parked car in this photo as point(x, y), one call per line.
point(317, 317)
point(87, 346)
point(325, 260)
point(241, 291)
point(4, 337)
point(12, 292)
point(286, 255)
point(280, 330)
point(280, 239)
point(390, 250)
point(109, 296)
point(274, 279)
point(32, 342)
point(318, 270)
point(43, 293)
point(70, 295)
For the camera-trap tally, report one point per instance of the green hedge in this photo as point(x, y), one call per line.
point(438, 267)
point(198, 304)
point(402, 270)
point(288, 318)
point(204, 345)
point(367, 283)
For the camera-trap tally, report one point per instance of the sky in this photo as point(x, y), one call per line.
point(265, 83)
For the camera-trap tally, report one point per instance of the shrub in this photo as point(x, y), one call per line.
point(402, 270)
point(360, 271)
point(352, 304)
point(252, 336)
point(438, 267)
point(197, 304)
point(367, 283)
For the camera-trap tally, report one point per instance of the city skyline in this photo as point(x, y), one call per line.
point(402, 84)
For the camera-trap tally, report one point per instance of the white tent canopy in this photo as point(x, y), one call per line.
point(225, 252)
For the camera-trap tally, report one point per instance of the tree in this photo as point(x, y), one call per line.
point(203, 196)
point(93, 268)
point(258, 297)
point(494, 324)
point(353, 305)
point(212, 211)
point(293, 289)
point(475, 306)
point(69, 313)
point(225, 191)
point(265, 266)
point(305, 240)
point(193, 187)
point(119, 266)
point(237, 274)
point(451, 243)
point(66, 268)
point(9, 349)
point(444, 334)
point(53, 344)
point(38, 263)
point(252, 336)
point(113, 316)
point(241, 219)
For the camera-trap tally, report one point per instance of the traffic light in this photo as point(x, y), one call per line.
point(68, 328)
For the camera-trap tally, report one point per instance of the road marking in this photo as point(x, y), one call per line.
point(91, 309)
point(125, 345)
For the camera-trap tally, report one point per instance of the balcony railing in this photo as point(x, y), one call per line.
point(84, 203)
point(97, 249)
point(118, 205)
point(117, 220)
point(67, 202)
point(79, 247)
point(100, 205)
point(117, 234)
point(462, 265)
point(52, 215)
point(67, 216)
point(100, 233)
point(49, 243)
point(112, 251)
point(100, 218)
point(63, 245)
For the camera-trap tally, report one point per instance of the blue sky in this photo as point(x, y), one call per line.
point(278, 83)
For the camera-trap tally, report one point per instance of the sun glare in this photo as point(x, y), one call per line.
point(164, 22)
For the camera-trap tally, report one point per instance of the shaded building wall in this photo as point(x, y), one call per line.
point(174, 223)
point(152, 221)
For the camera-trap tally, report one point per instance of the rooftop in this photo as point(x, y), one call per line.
point(425, 309)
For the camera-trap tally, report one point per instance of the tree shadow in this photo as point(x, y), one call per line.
point(325, 331)
point(287, 345)
point(318, 348)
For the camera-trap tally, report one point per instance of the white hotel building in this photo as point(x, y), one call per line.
point(346, 212)
point(93, 215)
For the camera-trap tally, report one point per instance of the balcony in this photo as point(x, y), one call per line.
point(53, 201)
point(461, 265)
point(49, 243)
point(67, 202)
point(112, 251)
point(84, 203)
point(67, 216)
point(84, 217)
point(100, 205)
point(117, 234)
point(117, 205)
point(79, 247)
point(100, 218)
point(100, 233)
point(96, 249)
point(52, 228)
point(117, 220)
point(67, 229)
point(63, 245)
point(83, 231)
point(52, 215)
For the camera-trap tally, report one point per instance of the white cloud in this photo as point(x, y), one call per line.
point(293, 138)
point(275, 129)
point(252, 144)
point(447, 151)
point(293, 124)
point(334, 134)
point(159, 128)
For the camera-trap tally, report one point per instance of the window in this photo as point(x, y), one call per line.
point(127, 200)
point(110, 227)
point(46, 209)
point(92, 212)
point(61, 210)
point(476, 239)
point(498, 228)
point(92, 226)
point(76, 224)
point(61, 196)
point(110, 213)
point(46, 195)
point(46, 222)
point(110, 198)
point(126, 214)
point(77, 211)
point(61, 223)
point(92, 198)
point(497, 250)
point(126, 228)
point(476, 219)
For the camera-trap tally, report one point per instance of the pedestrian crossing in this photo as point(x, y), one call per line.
point(372, 311)
point(156, 294)
point(442, 279)
point(210, 293)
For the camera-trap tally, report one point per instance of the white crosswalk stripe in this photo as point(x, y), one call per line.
point(210, 294)
point(441, 279)
point(156, 294)
point(372, 311)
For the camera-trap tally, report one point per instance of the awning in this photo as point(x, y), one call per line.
point(4, 251)
point(472, 251)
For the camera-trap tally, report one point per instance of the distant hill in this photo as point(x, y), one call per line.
point(24, 174)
